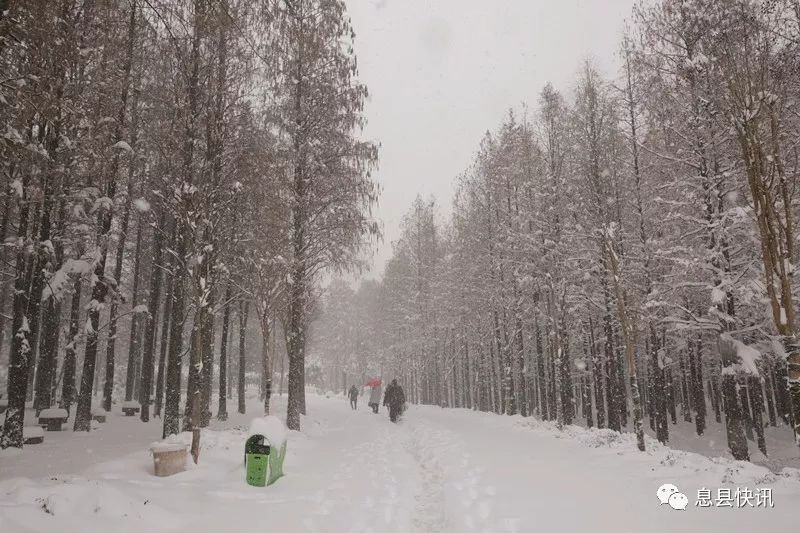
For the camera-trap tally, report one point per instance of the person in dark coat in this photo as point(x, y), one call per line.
point(395, 399)
point(353, 397)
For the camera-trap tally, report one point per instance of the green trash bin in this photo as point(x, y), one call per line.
point(256, 461)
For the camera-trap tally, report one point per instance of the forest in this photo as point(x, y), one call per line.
point(175, 174)
point(188, 191)
point(619, 254)
point(545, 263)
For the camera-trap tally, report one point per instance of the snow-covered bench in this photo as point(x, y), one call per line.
point(32, 435)
point(131, 407)
point(53, 418)
point(99, 415)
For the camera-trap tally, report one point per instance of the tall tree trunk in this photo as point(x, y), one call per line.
point(185, 240)
point(713, 386)
point(734, 418)
point(543, 401)
point(19, 355)
point(9, 207)
point(685, 388)
point(131, 374)
point(51, 322)
point(50, 138)
point(68, 393)
point(671, 397)
point(166, 321)
point(757, 406)
point(222, 408)
point(83, 416)
point(597, 371)
point(48, 350)
point(244, 306)
point(173, 373)
point(295, 346)
point(628, 323)
point(296, 336)
point(266, 358)
point(612, 398)
point(697, 388)
point(659, 392)
point(134, 343)
point(150, 324)
point(207, 373)
point(773, 417)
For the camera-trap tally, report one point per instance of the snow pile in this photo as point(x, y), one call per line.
point(124, 146)
point(745, 356)
point(210, 441)
point(77, 504)
point(271, 427)
point(12, 452)
point(54, 413)
point(123, 495)
point(141, 205)
point(32, 432)
point(721, 470)
point(76, 496)
point(436, 470)
point(166, 446)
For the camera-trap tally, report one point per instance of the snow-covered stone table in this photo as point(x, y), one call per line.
point(131, 407)
point(32, 435)
point(53, 418)
point(99, 415)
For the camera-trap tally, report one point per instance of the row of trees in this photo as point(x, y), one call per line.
point(624, 251)
point(171, 166)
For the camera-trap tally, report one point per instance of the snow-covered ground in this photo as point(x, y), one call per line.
point(438, 470)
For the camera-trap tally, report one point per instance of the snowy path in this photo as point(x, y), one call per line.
point(438, 471)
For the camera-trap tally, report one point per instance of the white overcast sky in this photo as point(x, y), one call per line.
point(442, 72)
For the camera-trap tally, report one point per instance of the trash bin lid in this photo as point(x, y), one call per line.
point(256, 444)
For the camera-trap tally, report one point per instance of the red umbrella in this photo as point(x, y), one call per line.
point(374, 382)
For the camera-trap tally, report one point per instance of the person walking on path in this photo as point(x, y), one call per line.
point(375, 397)
point(395, 398)
point(353, 397)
